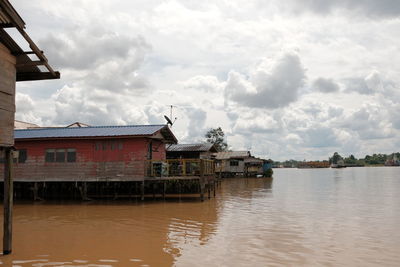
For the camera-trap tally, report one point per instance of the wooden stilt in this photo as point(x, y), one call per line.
point(164, 188)
point(179, 189)
point(154, 190)
point(214, 188)
point(142, 190)
point(8, 200)
point(83, 191)
point(209, 190)
point(202, 187)
point(35, 191)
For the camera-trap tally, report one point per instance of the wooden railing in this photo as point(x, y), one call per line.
point(179, 167)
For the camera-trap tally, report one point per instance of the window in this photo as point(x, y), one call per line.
point(234, 163)
point(104, 146)
point(61, 155)
point(150, 150)
point(120, 146)
point(22, 155)
point(50, 155)
point(98, 146)
point(71, 155)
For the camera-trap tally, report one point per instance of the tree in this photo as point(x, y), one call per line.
point(335, 158)
point(216, 137)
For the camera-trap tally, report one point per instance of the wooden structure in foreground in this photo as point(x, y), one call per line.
point(15, 65)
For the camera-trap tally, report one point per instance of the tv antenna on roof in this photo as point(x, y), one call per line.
point(169, 119)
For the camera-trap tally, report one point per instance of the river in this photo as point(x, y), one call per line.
point(301, 217)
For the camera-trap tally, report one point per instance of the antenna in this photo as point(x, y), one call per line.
point(169, 119)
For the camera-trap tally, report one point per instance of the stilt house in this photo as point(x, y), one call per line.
point(101, 153)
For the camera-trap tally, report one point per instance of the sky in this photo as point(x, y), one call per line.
point(294, 79)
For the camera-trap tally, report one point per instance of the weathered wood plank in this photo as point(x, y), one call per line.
point(6, 128)
point(8, 201)
point(7, 102)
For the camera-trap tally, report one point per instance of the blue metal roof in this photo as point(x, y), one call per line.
point(92, 131)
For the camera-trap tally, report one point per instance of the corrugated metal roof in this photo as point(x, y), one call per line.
point(190, 147)
point(95, 131)
point(232, 154)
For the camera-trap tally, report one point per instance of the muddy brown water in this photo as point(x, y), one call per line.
point(302, 217)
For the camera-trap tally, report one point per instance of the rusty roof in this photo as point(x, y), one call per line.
point(232, 154)
point(95, 132)
point(202, 147)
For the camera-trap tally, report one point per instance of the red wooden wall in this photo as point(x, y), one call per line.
point(126, 163)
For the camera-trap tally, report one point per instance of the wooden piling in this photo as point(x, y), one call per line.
point(179, 189)
point(164, 188)
point(214, 188)
point(201, 181)
point(8, 200)
point(142, 191)
point(35, 191)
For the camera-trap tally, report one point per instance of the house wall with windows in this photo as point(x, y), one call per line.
point(99, 159)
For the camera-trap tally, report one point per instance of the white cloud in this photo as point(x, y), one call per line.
point(271, 85)
point(224, 63)
point(325, 85)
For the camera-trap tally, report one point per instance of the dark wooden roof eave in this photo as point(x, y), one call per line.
point(26, 68)
point(36, 76)
point(168, 135)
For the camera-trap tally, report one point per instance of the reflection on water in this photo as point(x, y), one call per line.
point(311, 217)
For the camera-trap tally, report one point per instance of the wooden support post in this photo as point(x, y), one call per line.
point(8, 200)
point(209, 190)
point(179, 189)
point(35, 191)
point(83, 191)
point(201, 189)
point(154, 190)
point(142, 191)
point(164, 188)
point(115, 193)
point(214, 188)
point(201, 180)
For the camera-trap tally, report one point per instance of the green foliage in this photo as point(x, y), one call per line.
point(376, 159)
point(351, 160)
point(216, 137)
point(268, 173)
point(335, 158)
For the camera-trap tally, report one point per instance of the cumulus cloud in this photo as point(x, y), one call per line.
point(147, 55)
point(196, 124)
point(369, 122)
point(325, 85)
point(96, 57)
point(25, 109)
point(271, 85)
point(206, 84)
point(97, 107)
point(382, 8)
point(319, 137)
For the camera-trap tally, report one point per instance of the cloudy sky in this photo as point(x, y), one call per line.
point(294, 79)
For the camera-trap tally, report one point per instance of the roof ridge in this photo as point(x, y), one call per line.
point(89, 127)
